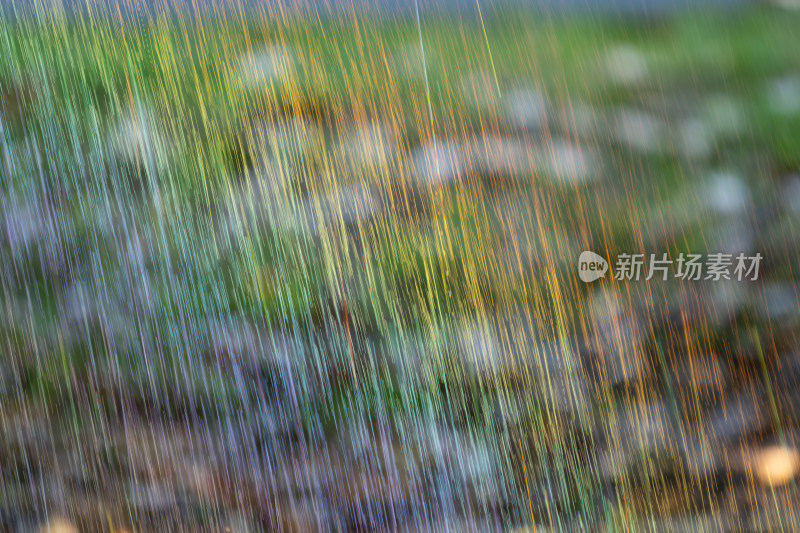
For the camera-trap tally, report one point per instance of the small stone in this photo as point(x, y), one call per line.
point(776, 465)
point(241, 348)
point(559, 160)
point(779, 303)
point(701, 459)
point(726, 299)
point(734, 237)
point(357, 203)
point(647, 425)
point(499, 156)
point(625, 65)
point(136, 140)
point(616, 368)
point(789, 5)
point(151, 499)
point(471, 456)
point(696, 140)
point(791, 194)
point(82, 307)
point(568, 163)
point(287, 368)
point(632, 431)
point(616, 330)
point(727, 193)
point(505, 344)
point(347, 206)
point(259, 204)
point(285, 140)
point(268, 64)
point(784, 95)
point(526, 108)
point(478, 347)
point(640, 130)
point(368, 145)
point(503, 347)
point(724, 115)
point(27, 223)
point(702, 373)
point(441, 164)
point(233, 343)
point(738, 417)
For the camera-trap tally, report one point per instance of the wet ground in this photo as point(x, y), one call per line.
point(288, 274)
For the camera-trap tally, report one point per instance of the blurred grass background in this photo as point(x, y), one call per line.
point(291, 224)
